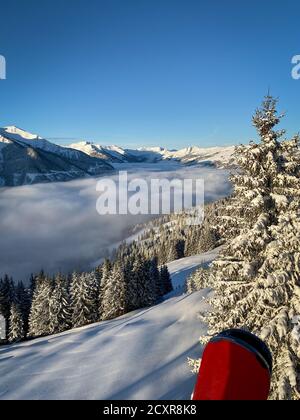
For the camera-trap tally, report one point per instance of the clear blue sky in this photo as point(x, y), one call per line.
point(147, 72)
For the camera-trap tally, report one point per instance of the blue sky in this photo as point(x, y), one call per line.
point(147, 72)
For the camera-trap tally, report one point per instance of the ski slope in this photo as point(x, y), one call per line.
point(142, 355)
point(181, 269)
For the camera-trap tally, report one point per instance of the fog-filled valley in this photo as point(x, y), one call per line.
point(55, 226)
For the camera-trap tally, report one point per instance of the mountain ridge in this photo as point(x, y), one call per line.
point(218, 156)
point(26, 158)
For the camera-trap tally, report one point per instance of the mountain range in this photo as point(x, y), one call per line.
point(27, 158)
point(217, 156)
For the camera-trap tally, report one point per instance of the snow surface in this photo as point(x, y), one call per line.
point(181, 269)
point(142, 355)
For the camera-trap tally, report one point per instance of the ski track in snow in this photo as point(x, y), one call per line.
point(142, 355)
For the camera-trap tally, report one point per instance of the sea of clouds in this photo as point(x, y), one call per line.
point(55, 227)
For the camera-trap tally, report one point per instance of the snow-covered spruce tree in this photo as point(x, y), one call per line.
point(155, 275)
point(277, 315)
point(94, 282)
point(134, 276)
point(198, 280)
point(59, 306)
point(165, 279)
point(253, 288)
point(132, 299)
point(23, 299)
point(39, 313)
point(208, 238)
point(149, 285)
point(104, 276)
point(84, 299)
point(176, 250)
point(279, 279)
point(113, 303)
point(144, 282)
point(7, 295)
point(16, 325)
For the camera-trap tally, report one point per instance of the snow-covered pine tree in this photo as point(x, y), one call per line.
point(23, 299)
point(84, 299)
point(148, 285)
point(176, 250)
point(256, 278)
point(133, 274)
point(75, 287)
point(32, 282)
point(104, 276)
point(198, 280)
point(7, 297)
point(113, 303)
point(94, 285)
point(155, 275)
point(39, 313)
point(165, 279)
point(131, 284)
point(278, 304)
point(162, 251)
point(16, 325)
point(192, 241)
point(59, 306)
point(208, 238)
point(144, 293)
point(277, 315)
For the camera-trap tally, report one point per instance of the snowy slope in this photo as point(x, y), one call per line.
point(141, 355)
point(181, 269)
point(110, 153)
point(220, 156)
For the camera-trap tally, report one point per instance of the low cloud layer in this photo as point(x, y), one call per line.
point(56, 227)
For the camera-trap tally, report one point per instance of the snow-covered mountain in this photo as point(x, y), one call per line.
point(26, 158)
point(216, 156)
point(219, 156)
point(112, 154)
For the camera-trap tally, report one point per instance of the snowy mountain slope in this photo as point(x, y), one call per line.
point(27, 159)
point(181, 269)
point(87, 363)
point(116, 154)
point(216, 156)
point(219, 156)
point(26, 135)
point(112, 154)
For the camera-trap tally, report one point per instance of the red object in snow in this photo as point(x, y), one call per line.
point(236, 365)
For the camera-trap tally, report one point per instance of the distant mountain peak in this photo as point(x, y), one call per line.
point(12, 129)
